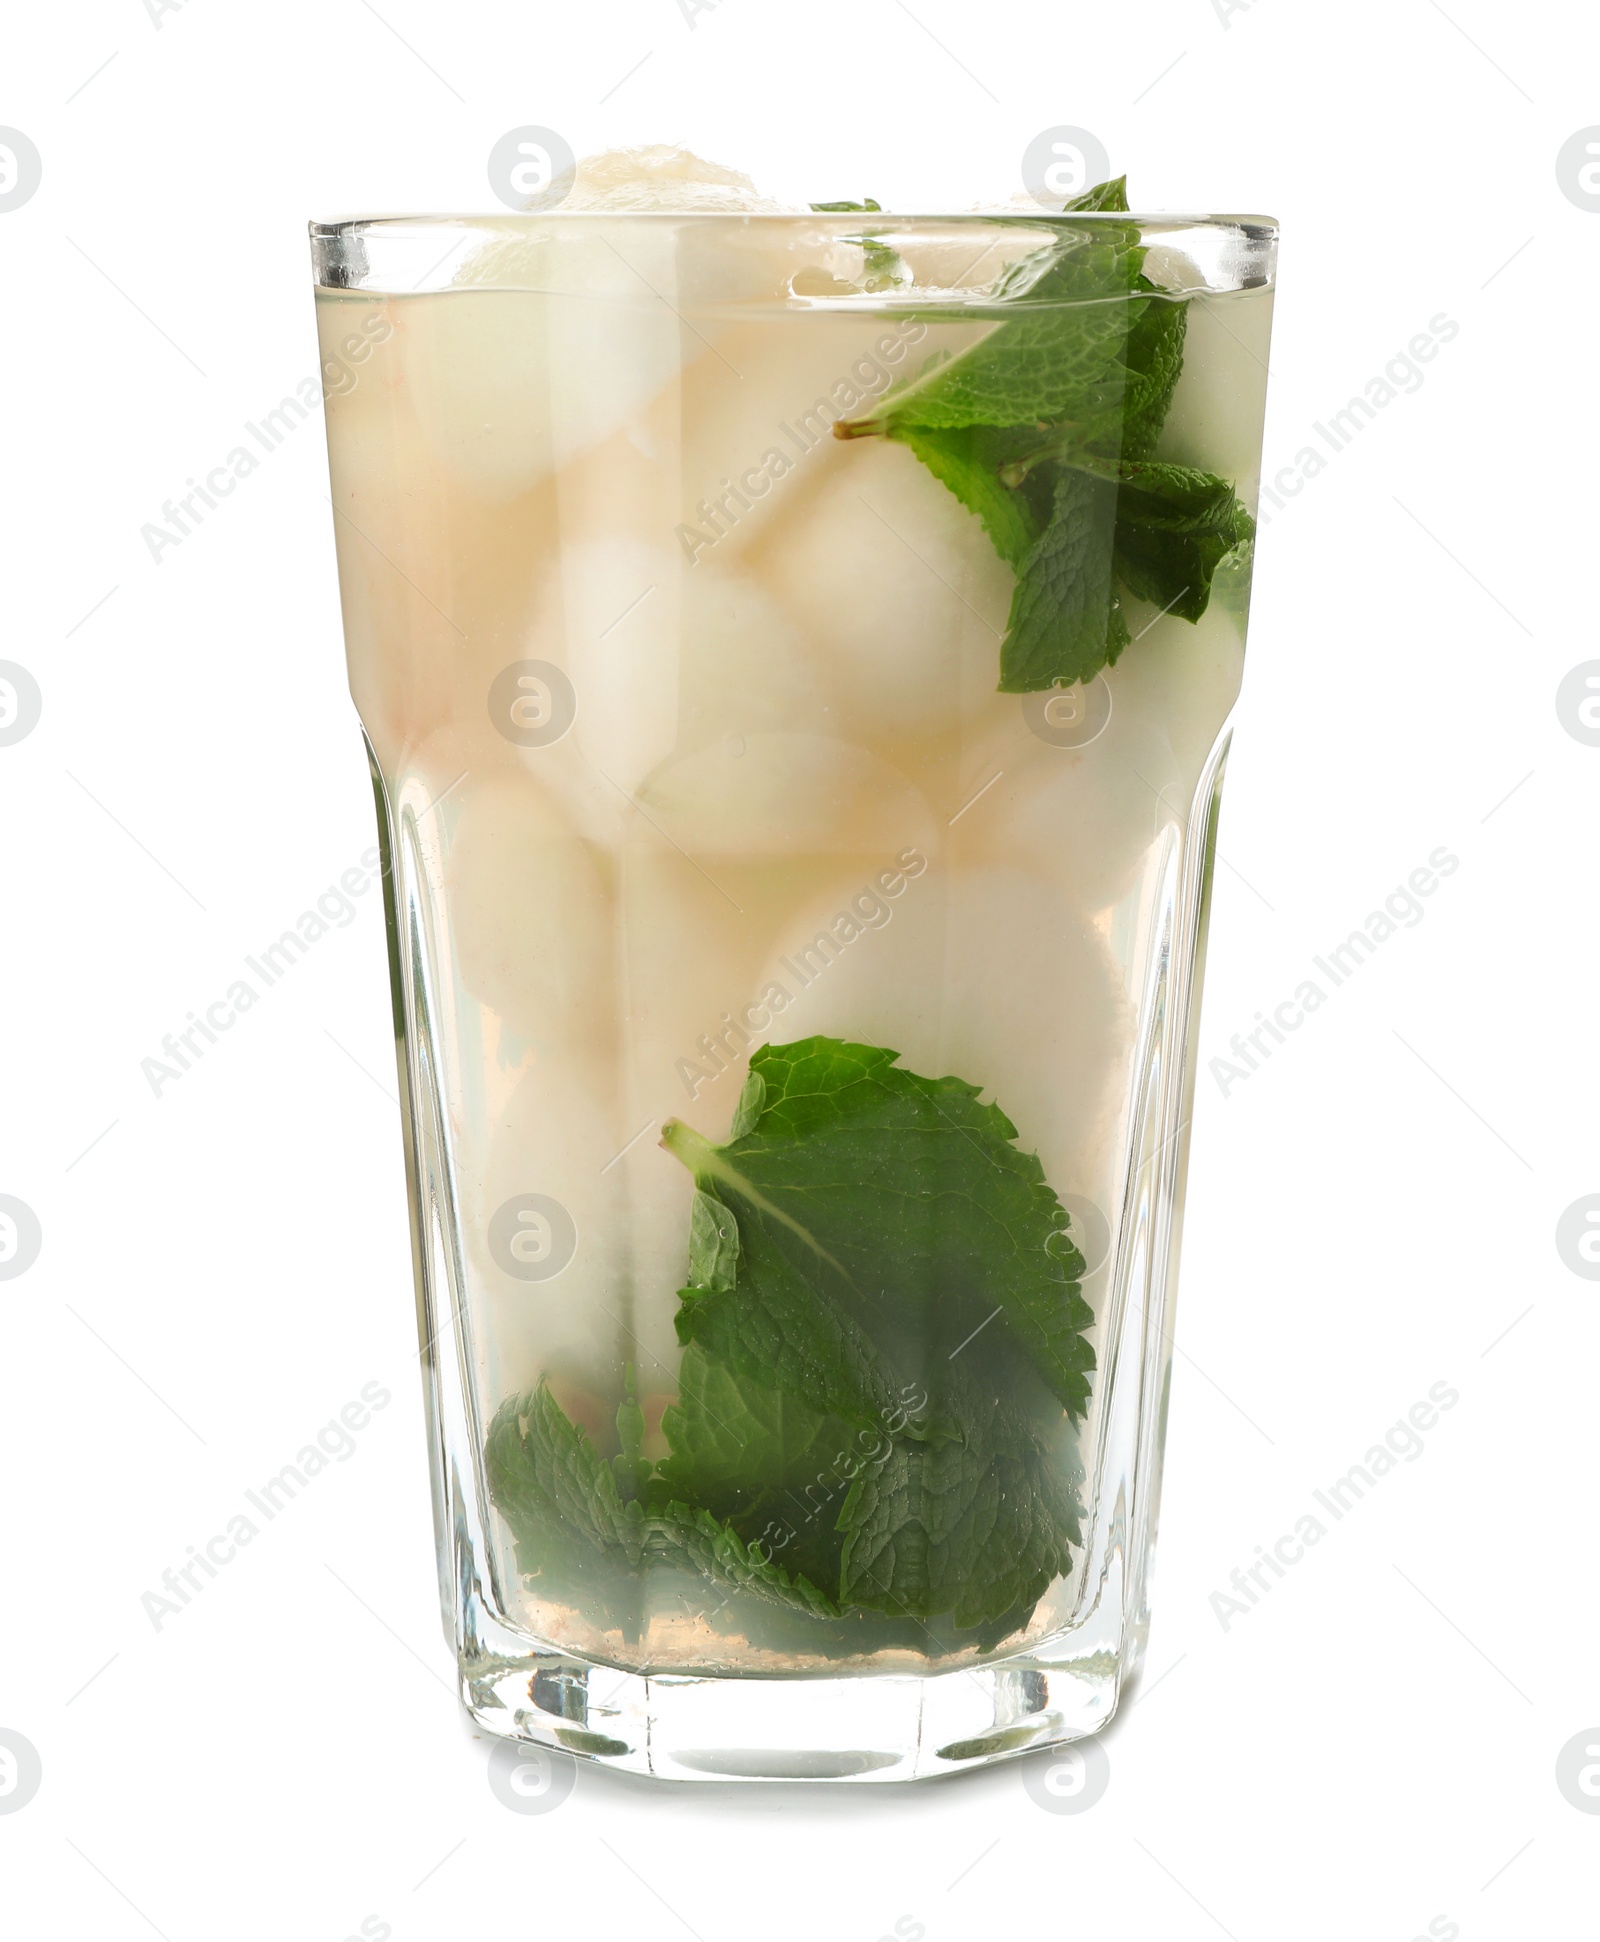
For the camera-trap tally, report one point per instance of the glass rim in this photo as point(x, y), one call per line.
point(1257, 226)
point(398, 255)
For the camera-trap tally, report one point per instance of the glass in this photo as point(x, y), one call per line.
point(726, 599)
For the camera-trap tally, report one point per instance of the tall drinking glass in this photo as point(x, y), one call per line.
point(796, 655)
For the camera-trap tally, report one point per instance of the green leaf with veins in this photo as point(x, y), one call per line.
point(772, 1328)
point(573, 1525)
point(543, 1470)
point(1060, 359)
point(713, 1244)
point(765, 1461)
point(730, 1436)
point(886, 1220)
point(1022, 426)
point(1154, 358)
point(693, 1538)
point(752, 1097)
point(1046, 363)
point(1170, 528)
point(892, 1240)
point(1175, 527)
point(949, 1527)
point(1066, 619)
point(1111, 195)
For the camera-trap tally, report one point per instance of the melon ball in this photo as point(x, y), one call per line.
point(1083, 818)
point(863, 958)
point(744, 667)
point(530, 912)
point(776, 794)
point(691, 960)
point(610, 617)
point(1036, 1014)
point(510, 383)
point(551, 1140)
point(897, 587)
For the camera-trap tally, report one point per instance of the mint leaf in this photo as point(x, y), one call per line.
point(772, 1328)
point(1027, 427)
point(892, 1239)
point(1051, 362)
point(1112, 195)
point(696, 1540)
point(1159, 532)
point(848, 208)
point(573, 1526)
point(752, 1097)
point(1175, 527)
point(1066, 619)
point(629, 1465)
point(886, 1220)
point(767, 1463)
point(544, 1472)
point(713, 1244)
point(731, 1436)
point(1154, 358)
point(944, 1528)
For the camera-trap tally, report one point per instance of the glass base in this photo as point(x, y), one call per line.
point(674, 1726)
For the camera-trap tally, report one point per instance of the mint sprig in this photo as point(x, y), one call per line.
point(1047, 428)
point(865, 1237)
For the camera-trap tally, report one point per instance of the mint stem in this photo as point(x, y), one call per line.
point(692, 1149)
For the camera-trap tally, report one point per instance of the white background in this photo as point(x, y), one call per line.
point(1371, 1748)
